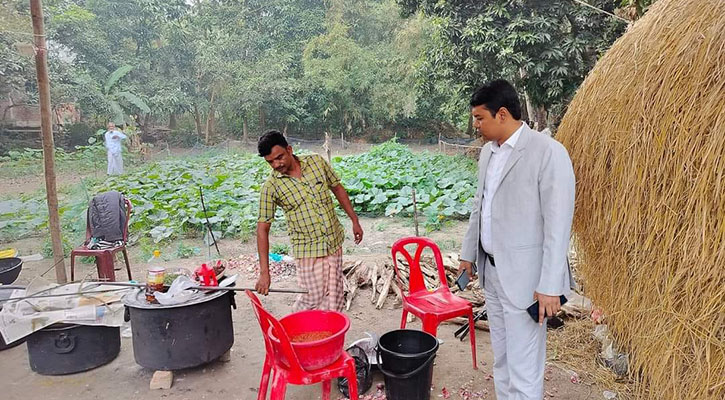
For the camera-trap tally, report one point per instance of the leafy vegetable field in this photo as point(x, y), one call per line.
point(165, 195)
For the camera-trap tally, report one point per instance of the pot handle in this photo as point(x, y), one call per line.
point(64, 343)
point(232, 301)
point(407, 374)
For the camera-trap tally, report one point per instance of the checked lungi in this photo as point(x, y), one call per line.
point(322, 277)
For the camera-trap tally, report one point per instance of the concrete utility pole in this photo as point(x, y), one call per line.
point(46, 127)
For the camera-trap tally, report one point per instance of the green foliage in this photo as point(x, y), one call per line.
point(166, 195)
point(280, 248)
point(183, 251)
point(47, 250)
point(16, 70)
point(381, 182)
point(166, 202)
point(381, 226)
point(28, 154)
point(545, 47)
point(119, 73)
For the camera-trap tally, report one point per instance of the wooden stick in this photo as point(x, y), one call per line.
point(415, 214)
point(46, 127)
point(43, 296)
point(201, 287)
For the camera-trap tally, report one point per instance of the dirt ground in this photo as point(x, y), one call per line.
point(239, 378)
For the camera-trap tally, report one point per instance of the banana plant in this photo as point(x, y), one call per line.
point(121, 101)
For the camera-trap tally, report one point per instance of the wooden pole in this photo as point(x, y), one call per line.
point(46, 127)
point(326, 146)
point(415, 214)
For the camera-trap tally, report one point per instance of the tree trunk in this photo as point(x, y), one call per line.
point(469, 130)
point(262, 119)
point(245, 132)
point(197, 120)
point(530, 112)
point(284, 131)
point(343, 126)
point(46, 127)
point(326, 146)
point(172, 121)
point(210, 119)
point(146, 123)
point(540, 118)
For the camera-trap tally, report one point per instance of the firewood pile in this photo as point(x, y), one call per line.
point(380, 277)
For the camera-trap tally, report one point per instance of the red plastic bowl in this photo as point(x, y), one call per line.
point(319, 353)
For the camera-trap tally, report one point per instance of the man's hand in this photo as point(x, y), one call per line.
point(468, 266)
point(549, 305)
point(357, 232)
point(262, 286)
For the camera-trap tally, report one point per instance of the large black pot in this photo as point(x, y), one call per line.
point(5, 292)
point(167, 338)
point(10, 269)
point(65, 349)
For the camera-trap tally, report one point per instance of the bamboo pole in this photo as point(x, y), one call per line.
point(46, 127)
point(415, 214)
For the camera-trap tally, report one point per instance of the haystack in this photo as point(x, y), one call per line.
point(646, 132)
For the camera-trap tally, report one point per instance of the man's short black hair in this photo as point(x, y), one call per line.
point(497, 94)
point(268, 140)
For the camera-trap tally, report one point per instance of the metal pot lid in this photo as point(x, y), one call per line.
point(137, 299)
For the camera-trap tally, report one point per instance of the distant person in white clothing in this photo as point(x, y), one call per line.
point(113, 139)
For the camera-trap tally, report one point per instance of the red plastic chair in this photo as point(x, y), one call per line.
point(104, 257)
point(431, 306)
point(294, 373)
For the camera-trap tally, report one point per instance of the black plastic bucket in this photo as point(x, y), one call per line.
point(406, 357)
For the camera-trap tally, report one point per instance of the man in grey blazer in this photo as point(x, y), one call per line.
point(518, 236)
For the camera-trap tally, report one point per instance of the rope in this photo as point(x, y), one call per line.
point(601, 11)
point(443, 142)
point(21, 33)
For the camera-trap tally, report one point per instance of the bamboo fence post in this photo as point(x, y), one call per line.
point(46, 128)
point(415, 214)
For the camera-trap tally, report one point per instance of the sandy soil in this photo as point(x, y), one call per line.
point(239, 378)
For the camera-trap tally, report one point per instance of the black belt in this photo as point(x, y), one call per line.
point(490, 259)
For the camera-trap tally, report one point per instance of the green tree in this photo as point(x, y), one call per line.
point(17, 72)
point(545, 47)
point(366, 62)
point(121, 102)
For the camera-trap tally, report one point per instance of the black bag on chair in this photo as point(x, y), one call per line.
point(106, 216)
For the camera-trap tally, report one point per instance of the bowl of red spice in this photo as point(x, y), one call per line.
point(317, 337)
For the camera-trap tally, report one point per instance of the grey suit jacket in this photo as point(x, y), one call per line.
point(531, 216)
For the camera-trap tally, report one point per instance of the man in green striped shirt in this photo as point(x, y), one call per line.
point(301, 187)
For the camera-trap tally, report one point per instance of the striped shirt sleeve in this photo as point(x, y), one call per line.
point(267, 206)
point(332, 178)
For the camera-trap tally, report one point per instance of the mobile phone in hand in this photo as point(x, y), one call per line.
point(533, 309)
point(463, 280)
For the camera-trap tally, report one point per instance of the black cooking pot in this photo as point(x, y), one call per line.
point(65, 348)
point(10, 269)
point(167, 338)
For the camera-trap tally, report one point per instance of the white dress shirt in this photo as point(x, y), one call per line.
point(496, 164)
point(114, 145)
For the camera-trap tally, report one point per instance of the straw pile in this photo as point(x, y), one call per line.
point(646, 133)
